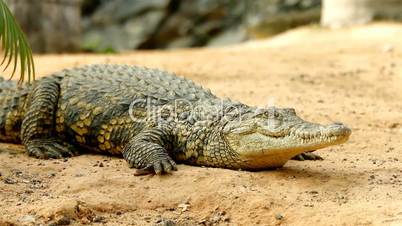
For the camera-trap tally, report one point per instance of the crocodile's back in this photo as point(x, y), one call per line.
point(119, 82)
point(95, 102)
point(12, 109)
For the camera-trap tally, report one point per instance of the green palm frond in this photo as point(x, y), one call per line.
point(14, 45)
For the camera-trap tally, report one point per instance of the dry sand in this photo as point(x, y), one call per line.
point(351, 75)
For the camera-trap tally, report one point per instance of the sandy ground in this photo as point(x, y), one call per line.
point(352, 75)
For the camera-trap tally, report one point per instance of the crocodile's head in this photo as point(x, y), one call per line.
point(270, 137)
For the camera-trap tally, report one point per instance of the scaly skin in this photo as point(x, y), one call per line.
point(153, 119)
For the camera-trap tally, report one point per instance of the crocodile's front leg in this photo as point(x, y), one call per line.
point(37, 129)
point(147, 151)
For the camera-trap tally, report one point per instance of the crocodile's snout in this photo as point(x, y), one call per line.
point(339, 129)
point(313, 136)
point(280, 135)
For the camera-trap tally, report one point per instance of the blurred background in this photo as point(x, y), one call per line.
point(55, 26)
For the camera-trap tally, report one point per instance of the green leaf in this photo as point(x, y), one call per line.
point(15, 46)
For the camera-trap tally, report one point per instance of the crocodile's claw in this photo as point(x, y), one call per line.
point(158, 167)
point(50, 149)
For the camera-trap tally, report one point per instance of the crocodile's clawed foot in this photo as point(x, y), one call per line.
point(49, 149)
point(158, 167)
point(307, 156)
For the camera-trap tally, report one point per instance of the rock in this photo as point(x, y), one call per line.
point(227, 37)
point(279, 216)
point(129, 35)
point(205, 31)
point(110, 39)
point(266, 18)
point(216, 218)
point(131, 24)
point(99, 219)
point(182, 42)
point(225, 10)
point(194, 23)
point(164, 222)
point(10, 180)
point(27, 219)
point(394, 125)
point(343, 13)
point(118, 11)
point(51, 27)
point(67, 208)
point(175, 27)
point(62, 221)
point(138, 32)
point(184, 207)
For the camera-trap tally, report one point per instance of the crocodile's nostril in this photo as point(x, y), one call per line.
point(340, 129)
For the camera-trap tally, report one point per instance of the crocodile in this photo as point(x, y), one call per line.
point(153, 119)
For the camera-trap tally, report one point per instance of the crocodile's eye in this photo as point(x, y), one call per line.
point(272, 123)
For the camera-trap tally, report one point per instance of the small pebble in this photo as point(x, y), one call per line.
point(10, 180)
point(279, 216)
point(27, 219)
point(163, 222)
point(388, 48)
point(62, 221)
point(98, 219)
point(184, 207)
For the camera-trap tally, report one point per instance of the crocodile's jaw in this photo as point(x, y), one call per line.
point(261, 151)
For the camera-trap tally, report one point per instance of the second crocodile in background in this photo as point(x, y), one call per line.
point(153, 119)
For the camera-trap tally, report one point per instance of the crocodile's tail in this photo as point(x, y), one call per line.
point(12, 109)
